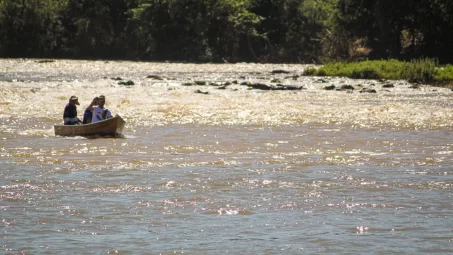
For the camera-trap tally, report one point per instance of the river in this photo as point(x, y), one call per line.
point(230, 169)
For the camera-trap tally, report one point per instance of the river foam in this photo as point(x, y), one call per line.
point(31, 89)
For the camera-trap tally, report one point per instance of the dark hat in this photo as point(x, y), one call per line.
point(102, 97)
point(74, 98)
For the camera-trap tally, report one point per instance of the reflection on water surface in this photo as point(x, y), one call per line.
point(235, 170)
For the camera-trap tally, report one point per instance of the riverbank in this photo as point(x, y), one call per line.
point(426, 71)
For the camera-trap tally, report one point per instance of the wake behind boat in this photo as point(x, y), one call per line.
point(109, 127)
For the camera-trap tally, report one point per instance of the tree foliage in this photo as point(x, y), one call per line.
point(227, 30)
point(402, 28)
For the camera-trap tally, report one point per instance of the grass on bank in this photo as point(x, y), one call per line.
point(420, 70)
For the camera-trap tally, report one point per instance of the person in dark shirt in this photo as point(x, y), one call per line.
point(70, 112)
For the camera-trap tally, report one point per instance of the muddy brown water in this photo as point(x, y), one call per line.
point(236, 170)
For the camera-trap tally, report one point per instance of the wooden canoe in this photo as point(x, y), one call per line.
point(109, 127)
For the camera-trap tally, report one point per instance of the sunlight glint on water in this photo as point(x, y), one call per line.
point(233, 171)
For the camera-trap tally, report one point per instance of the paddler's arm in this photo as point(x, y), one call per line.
point(93, 103)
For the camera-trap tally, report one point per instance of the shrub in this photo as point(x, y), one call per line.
point(310, 71)
point(321, 72)
point(444, 73)
point(420, 70)
point(366, 73)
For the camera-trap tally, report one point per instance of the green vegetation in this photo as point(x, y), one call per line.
point(307, 31)
point(445, 74)
point(420, 70)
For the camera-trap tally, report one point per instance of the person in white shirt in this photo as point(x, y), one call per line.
point(99, 111)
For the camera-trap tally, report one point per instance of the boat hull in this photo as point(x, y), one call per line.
point(109, 127)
